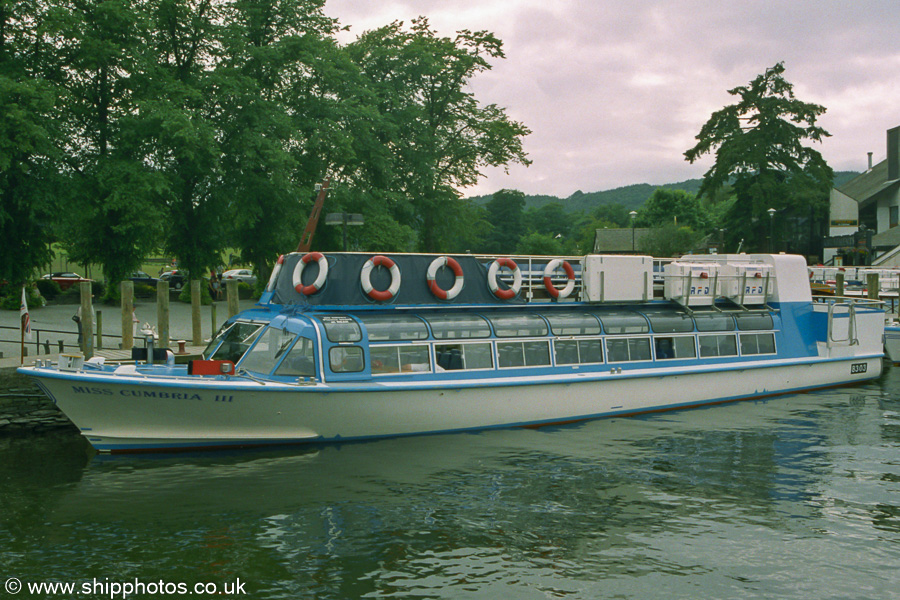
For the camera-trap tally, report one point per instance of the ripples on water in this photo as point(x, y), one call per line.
point(795, 497)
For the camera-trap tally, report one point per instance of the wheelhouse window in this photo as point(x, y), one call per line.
point(523, 354)
point(757, 343)
point(392, 328)
point(340, 328)
point(573, 324)
point(518, 325)
point(717, 345)
point(233, 341)
point(751, 321)
point(619, 322)
point(346, 359)
point(627, 349)
point(273, 343)
point(454, 357)
point(668, 348)
point(399, 359)
point(572, 352)
point(458, 327)
point(300, 361)
point(713, 322)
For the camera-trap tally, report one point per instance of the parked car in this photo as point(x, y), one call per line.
point(244, 275)
point(176, 278)
point(143, 278)
point(65, 280)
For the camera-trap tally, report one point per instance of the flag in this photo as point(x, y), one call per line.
point(25, 317)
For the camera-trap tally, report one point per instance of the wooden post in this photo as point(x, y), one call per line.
point(195, 312)
point(87, 320)
point(839, 285)
point(99, 328)
point(162, 313)
point(872, 286)
point(127, 293)
point(212, 319)
point(231, 286)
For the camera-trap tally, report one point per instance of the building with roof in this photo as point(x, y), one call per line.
point(870, 202)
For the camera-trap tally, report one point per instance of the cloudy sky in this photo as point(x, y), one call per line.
point(615, 91)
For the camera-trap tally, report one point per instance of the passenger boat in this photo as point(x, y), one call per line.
point(351, 346)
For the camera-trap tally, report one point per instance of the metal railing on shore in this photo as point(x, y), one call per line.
point(43, 340)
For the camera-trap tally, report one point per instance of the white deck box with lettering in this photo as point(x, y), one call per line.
point(617, 278)
point(747, 282)
point(691, 283)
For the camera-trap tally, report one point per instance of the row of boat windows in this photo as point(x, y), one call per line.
point(405, 327)
point(392, 359)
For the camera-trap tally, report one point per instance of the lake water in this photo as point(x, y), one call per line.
point(793, 497)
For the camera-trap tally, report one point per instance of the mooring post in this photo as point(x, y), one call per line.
point(195, 312)
point(99, 327)
point(127, 293)
point(873, 288)
point(212, 319)
point(231, 287)
point(87, 320)
point(839, 286)
point(162, 313)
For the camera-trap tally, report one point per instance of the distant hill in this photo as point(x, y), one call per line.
point(631, 197)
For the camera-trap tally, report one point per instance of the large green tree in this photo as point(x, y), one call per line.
point(759, 149)
point(438, 136)
point(673, 206)
point(506, 214)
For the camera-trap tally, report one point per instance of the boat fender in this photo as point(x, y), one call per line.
point(365, 278)
point(492, 278)
point(570, 274)
point(315, 286)
point(436, 290)
point(276, 271)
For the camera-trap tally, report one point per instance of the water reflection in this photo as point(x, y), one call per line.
point(697, 503)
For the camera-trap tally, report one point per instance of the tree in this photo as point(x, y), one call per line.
point(670, 239)
point(439, 136)
point(673, 206)
point(505, 212)
point(758, 144)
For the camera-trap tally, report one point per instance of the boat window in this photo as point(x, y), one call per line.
point(627, 349)
point(714, 322)
point(346, 359)
point(681, 346)
point(341, 328)
point(572, 352)
point(300, 361)
point(623, 322)
point(523, 354)
point(391, 328)
point(233, 341)
point(573, 324)
point(717, 345)
point(670, 322)
point(272, 345)
point(399, 359)
point(750, 321)
point(456, 327)
point(453, 357)
point(518, 325)
point(757, 343)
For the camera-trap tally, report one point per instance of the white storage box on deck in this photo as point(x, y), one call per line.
point(617, 278)
point(691, 284)
point(747, 282)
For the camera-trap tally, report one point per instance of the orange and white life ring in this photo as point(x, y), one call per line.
point(315, 286)
point(434, 267)
point(570, 274)
point(276, 270)
point(492, 278)
point(365, 278)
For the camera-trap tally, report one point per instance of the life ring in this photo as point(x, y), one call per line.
point(570, 274)
point(492, 278)
point(365, 278)
point(434, 267)
point(276, 270)
point(315, 286)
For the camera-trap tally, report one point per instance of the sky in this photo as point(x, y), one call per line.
point(615, 92)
